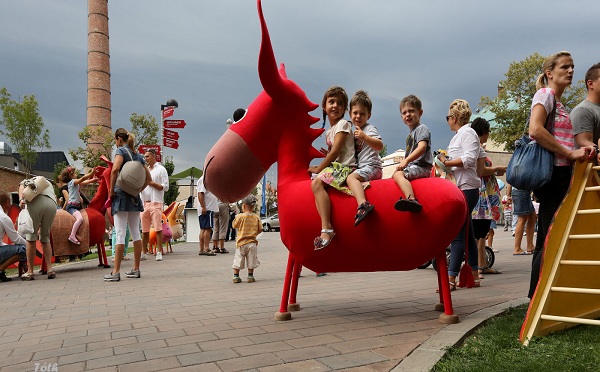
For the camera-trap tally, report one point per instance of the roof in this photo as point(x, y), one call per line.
point(46, 160)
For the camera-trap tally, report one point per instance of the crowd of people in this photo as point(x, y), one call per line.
point(350, 161)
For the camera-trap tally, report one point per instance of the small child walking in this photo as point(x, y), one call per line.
point(248, 227)
point(418, 158)
point(74, 205)
point(368, 144)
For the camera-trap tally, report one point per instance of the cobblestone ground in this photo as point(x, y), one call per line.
point(185, 313)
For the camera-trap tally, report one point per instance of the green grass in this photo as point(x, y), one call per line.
point(496, 347)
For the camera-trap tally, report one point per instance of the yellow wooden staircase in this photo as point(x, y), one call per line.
point(568, 292)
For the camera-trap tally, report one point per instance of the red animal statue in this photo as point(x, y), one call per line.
point(91, 233)
point(277, 127)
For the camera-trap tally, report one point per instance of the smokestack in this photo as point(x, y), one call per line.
point(98, 73)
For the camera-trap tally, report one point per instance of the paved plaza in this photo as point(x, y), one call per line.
point(185, 314)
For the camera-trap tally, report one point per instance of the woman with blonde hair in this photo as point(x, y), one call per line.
point(556, 76)
point(126, 208)
point(463, 152)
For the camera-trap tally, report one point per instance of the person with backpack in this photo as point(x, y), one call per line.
point(129, 176)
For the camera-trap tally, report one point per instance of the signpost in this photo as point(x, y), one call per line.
point(174, 124)
point(170, 134)
point(168, 138)
point(172, 143)
point(143, 148)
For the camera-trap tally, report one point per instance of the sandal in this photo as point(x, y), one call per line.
point(51, 274)
point(223, 250)
point(27, 276)
point(488, 270)
point(321, 243)
point(408, 205)
point(362, 211)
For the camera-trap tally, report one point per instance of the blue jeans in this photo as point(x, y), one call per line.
point(457, 248)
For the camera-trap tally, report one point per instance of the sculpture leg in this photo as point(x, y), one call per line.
point(448, 317)
point(102, 260)
point(293, 305)
point(283, 313)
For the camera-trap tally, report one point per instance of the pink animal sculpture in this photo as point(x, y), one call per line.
point(174, 213)
point(166, 235)
point(277, 127)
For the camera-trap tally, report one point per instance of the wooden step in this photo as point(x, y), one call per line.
point(569, 319)
point(576, 290)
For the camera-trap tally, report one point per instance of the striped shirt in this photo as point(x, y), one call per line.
point(563, 128)
point(248, 226)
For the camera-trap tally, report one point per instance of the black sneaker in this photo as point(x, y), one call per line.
point(408, 205)
point(3, 277)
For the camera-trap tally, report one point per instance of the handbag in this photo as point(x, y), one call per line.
point(24, 223)
point(132, 176)
point(530, 166)
point(33, 187)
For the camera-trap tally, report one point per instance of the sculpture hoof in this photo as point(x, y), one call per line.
point(448, 319)
point(439, 306)
point(294, 307)
point(283, 316)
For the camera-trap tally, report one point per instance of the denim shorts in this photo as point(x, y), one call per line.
point(7, 251)
point(522, 204)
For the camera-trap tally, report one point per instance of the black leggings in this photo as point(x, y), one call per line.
point(550, 196)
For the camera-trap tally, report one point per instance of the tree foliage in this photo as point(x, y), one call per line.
point(173, 193)
point(515, 93)
point(144, 127)
point(24, 127)
point(383, 151)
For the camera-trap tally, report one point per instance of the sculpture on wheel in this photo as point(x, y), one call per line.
point(277, 128)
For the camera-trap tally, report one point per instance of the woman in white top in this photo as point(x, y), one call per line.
point(463, 152)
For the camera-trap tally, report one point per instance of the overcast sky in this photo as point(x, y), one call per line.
point(204, 54)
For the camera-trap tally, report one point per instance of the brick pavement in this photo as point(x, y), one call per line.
point(185, 314)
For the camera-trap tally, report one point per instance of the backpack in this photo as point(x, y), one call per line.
point(132, 176)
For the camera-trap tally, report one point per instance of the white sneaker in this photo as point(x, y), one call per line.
point(144, 257)
point(158, 256)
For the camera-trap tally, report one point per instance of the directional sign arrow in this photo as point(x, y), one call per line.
point(170, 134)
point(143, 148)
point(168, 112)
point(174, 124)
point(170, 143)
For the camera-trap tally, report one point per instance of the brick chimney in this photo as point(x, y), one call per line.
point(98, 73)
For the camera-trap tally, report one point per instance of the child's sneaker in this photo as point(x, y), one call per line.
point(251, 279)
point(236, 279)
point(408, 205)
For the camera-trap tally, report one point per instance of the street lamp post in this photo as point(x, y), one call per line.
point(170, 103)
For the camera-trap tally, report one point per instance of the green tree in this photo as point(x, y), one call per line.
point(383, 151)
point(513, 102)
point(24, 127)
point(173, 193)
point(143, 127)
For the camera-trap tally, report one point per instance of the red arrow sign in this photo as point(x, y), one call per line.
point(170, 143)
point(168, 112)
point(143, 148)
point(170, 134)
point(174, 124)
